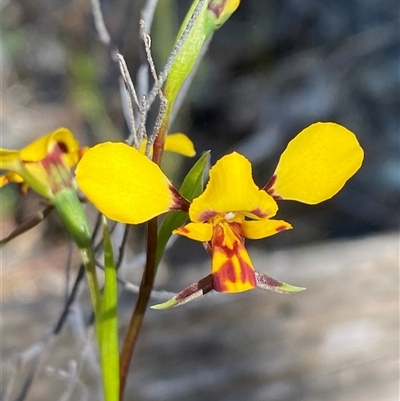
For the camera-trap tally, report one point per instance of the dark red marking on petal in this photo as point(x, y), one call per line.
point(207, 215)
point(229, 252)
point(180, 203)
point(268, 186)
point(218, 238)
point(247, 273)
point(63, 147)
point(281, 228)
point(264, 280)
point(227, 274)
point(237, 229)
point(184, 229)
point(259, 213)
point(52, 159)
point(216, 8)
point(204, 285)
point(269, 190)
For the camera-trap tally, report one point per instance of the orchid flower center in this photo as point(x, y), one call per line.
point(227, 229)
point(230, 216)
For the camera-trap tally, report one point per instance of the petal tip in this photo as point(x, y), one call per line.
point(288, 288)
point(166, 305)
point(268, 283)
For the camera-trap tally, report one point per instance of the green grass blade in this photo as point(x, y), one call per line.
point(108, 324)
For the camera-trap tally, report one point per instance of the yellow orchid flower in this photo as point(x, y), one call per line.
point(132, 189)
point(44, 164)
point(230, 209)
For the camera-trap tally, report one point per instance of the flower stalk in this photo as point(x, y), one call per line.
point(136, 321)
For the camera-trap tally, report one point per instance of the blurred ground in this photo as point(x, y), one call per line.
point(274, 68)
point(336, 341)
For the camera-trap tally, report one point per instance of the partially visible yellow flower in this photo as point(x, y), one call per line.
point(44, 164)
point(177, 143)
point(130, 188)
point(221, 10)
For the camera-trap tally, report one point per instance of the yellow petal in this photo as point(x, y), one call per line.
point(124, 184)
point(231, 189)
point(316, 164)
point(256, 229)
point(9, 159)
point(10, 177)
point(196, 231)
point(178, 143)
point(231, 266)
point(31, 174)
point(38, 149)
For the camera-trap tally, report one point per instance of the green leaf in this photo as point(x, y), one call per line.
point(192, 187)
point(188, 53)
point(108, 323)
point(193, 183)
point(213, 14)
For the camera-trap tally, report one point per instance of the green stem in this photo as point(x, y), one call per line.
point(71, 212)
point(136, 321)
point(159, 143)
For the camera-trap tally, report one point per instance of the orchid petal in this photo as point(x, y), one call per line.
point(10, 177)
point(231, 189)
point(190, 293)
point(232, 271)
point(265, 282)
point(62, 137)
point(196, 231)
point(9, 159)
point(177, 143)
point(181, 144)
point(231, 266)
point(28, 164)
point(124, 184)
point(316, 164)
point(256, 229)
